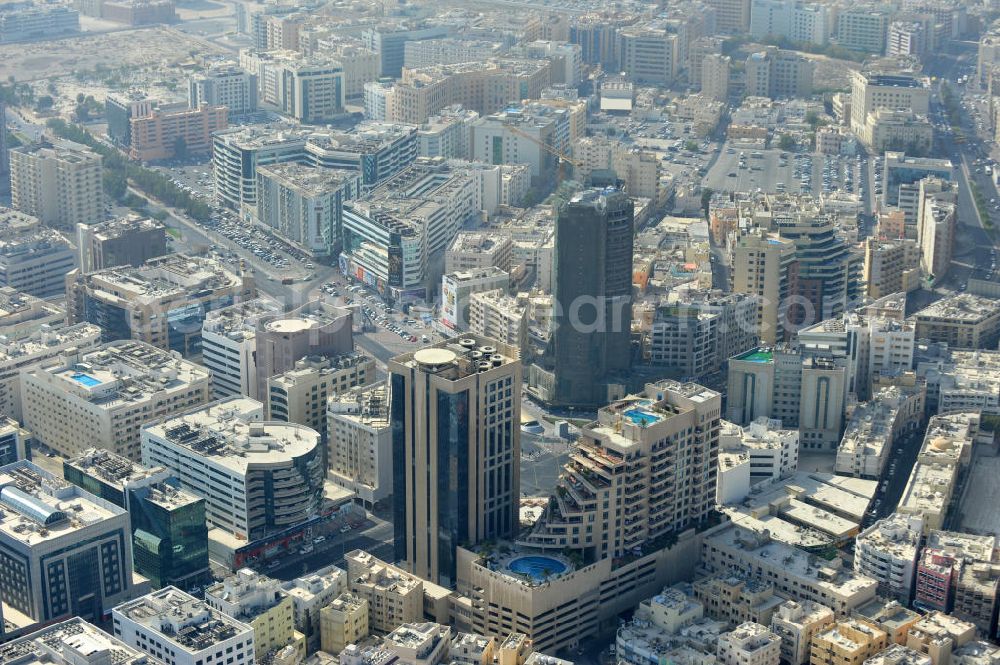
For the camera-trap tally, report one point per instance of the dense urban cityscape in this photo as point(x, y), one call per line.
point(453, 332)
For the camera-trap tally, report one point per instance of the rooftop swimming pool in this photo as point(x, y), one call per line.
point(85, 380)
point(537, 566)
point(641, 417)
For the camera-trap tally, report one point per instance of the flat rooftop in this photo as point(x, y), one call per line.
point(182, 620)
point(36, 506)
point(978, 511)
point(112, 468)
point(231, 434)
point(123, 226)
point(460, 357)
point(165, 277)
point(960, 308)
point(238, 322)
point(70, 642)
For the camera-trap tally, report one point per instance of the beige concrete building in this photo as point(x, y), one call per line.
point(766, 267)
point(162, 302)
point(59, 183)
point(891, 266)
point(887, 551)
point(472, 251)
point(793, 572)
point(938, 635)
point(158, 135)
point(649, 54)
point(476, 383)
point(897, 654)
point(496, 315)
point(394, 597)
point(795, 623)
point(963, 321)
point(872, 91)
point(737, 600)
point(749, 644)
point(260, 602)
point(889, 616)
point(847, 642)
point(343, 622)
point(101, 398)
point(310, 594)
point(359, 442)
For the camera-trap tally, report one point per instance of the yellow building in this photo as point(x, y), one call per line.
point(848, 642)
point(261, 602)
point(343, 622)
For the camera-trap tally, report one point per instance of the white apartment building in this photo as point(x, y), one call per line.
point(69, 642)
point(59, 183)
point(887, 552)
point(260, 602)
point(474, 250)
point(176, 628)
point(513, 137)
point(37, 347)
point(224, 85)
point(271, 472)
point(749, 644)
point(424, 643)
point(875, 426)
point(498, 316)
point(310, 594)
point(795, 623)
point(229, 346)
point(33, 259)
point(359, 439)
point(792, 572)
point(102, 397)
point(871, 92)
point(772, 451)
point(649, 54)
point(447, 134)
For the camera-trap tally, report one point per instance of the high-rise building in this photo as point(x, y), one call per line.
point(590, 351)
point(628, 460)
point(777, 73)
point(766, 267)
point(901, 170)
point(863, 27)
point(649, 54)
point(238, 151)
point(224, 85)
point(172, 626)
point(68, 551)
point(99, 398)
point(124, 241)
point(34, 259)
point(316, 328)
point(120, 108)
point(271, 473)
point(169, 534)
point(359, 441)
point(312, 91)
point(390, 43)
point(4, 156)
point(731, 16)
point(891, 91)
point(60, 183)
point(715, 71)
point(229, 346)
point(304, 205)
point(163, 302)
point(460, 402)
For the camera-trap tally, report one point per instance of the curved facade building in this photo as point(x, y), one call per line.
point(256, 477)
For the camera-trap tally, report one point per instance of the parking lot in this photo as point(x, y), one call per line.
point(775, 171)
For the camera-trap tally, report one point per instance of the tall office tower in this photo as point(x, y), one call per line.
point(4, 157)
point(224, 85)
point(646, 467)
point(163, 302)
point(169, 534)
point(936, 223)
point(257, 478)
point(61, 183)
point(100, 398)
point(124, 241)
point(314, 329)
point(67, 551)
point(390, 43)
point(765, 266)
point(33, 258)
point(456, 445)
point(172, 622)
point(590, 351)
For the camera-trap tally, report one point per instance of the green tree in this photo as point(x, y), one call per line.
point(786, 142)
point(691, 146)
point(45, 102)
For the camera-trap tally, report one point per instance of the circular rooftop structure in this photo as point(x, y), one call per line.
point(941, 444)
point(434, 357)
point(538, 567)
point(289, 325)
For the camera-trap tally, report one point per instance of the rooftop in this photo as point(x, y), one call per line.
point(70, 642)
point(121, 372)
point(960, 308)
point(230, 433)
point(309, 180)
point(22, 237)
point(459, 358)
point(182, 620)
point(163, 278)
point(112, 468)
point(123, 226)
point(46, 340)
point(239, 322)
point(897, 654)
point(36, 506)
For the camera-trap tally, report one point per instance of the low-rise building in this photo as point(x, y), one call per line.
point(875, 426)
point(359, 442)
point(773, 451)
point(175, 627)
point(101, 397)
point(889, 616)
point(424, 643)
point(847, 642)
point(962, 321)
point(70, 642)
point(343, 622)
point(749, 644)
point(938, 635)
point(310, 594)
point(260, 602)
point(394, 596)
point(887, 552)
point(124, 241)
point(170, 132)
point(477, 250)
point(795, 623)
point(898, 654)
point(957, 574)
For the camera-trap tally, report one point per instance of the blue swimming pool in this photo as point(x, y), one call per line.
point(85, 379)
point(537, 567)
point(641, 418)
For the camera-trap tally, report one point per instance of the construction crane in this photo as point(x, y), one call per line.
point(562, 157)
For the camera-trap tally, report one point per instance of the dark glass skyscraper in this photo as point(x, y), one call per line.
point(590, 351)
